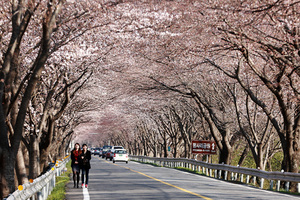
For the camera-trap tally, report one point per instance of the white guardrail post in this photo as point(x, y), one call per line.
point(41, 187)
point(222, 171)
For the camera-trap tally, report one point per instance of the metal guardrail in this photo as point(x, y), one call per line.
point(42, 186)
point(221, 171)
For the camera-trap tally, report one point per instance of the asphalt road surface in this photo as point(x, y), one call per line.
point(137, 181)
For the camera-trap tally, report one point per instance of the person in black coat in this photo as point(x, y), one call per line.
point(75, 157)
point(85, 165)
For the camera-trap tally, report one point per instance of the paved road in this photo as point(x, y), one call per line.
point(140, 181)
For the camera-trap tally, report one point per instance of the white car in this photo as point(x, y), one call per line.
point(120, 155)
point(113, 150)
point(116, 147)
point(92, 150)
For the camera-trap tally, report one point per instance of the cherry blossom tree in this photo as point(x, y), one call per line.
point(37, 76)
point(267, 50)
point(103, 70)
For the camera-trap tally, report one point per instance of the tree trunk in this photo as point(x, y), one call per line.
point(155, 150)
point(259, 161)
point(243, 156)
point(7, 160)
point(21, 168)
point(45, 145)
point(145, 148)
point(225, 154)
point(294, 150)
point(34, 157)
point(1, 175)
point(185, 149)
point(175, 148)
point(220, 135)
point(8, 178)
point(165, 148)
point(135, 149)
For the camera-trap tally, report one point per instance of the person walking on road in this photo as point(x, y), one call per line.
point(75, 157)
point(85, 158)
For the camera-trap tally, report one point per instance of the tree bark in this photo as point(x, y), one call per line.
point(45, 145)
point(21, 168)
point(243, 156)
point(219, 134)
point(34, 157)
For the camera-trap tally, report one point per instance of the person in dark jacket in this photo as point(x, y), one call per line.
point(75, 164)
point(85, 165)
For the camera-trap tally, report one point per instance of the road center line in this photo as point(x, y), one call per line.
point(184, 190)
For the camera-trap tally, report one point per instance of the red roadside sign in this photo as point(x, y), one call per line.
point(204, 147)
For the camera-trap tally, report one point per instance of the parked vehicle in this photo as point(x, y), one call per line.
point(120, 156)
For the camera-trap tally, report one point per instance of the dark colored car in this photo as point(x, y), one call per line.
point(108, 154)
point(104, 150)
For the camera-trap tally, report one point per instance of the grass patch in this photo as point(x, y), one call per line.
point(290, 193)
point(59, 191)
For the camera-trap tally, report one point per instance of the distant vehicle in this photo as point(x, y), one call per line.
point(104, 153)
point(92, 150)
point(120, 156)
point(113, 150)
point(97, 151)
point(105, 149)
point(108, 154)
point(117, 147)
point(100, 152)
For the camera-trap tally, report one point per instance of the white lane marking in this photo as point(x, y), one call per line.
point(86, 195)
